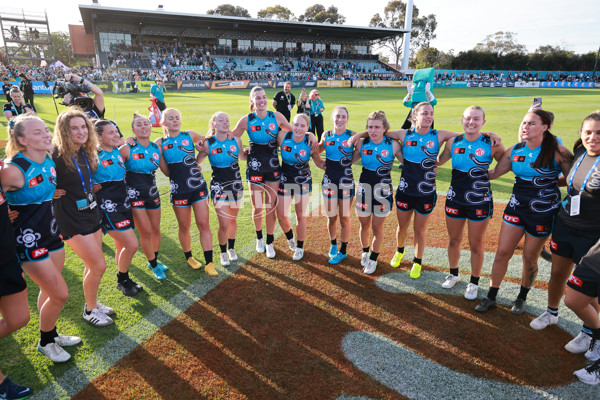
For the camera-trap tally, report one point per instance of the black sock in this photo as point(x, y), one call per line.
point(122, 276)
point(417, 261)
point(365, 249)
point(334, 242)
point(289, 235)
point(553, 311)
point(374, 256)
point(47, 337)
point(475, 280)
point(270, 238)
point(231, 243)
point(453, 271)
point(343, 247)
point(259, 235)
point(85, 310)
point(208, 256)
point(156, 254)
point(187, 254)
point(153, 263)
point(300, 244)
point(523, 293)
point(223, 248)
point(492, 293)
point(587, 330)
point(400, 250)
point(596, 334)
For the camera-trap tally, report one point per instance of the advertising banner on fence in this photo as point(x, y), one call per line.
point(523, 84)
point(362, 83)
point(333, 84)
point(38, 86)
point(567, 84)
point(262, 84)
point(296, 84)
point(229, 85)
point(193, 85)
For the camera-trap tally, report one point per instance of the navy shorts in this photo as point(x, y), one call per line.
point(571, 243)
point(148, 201)
point(340, 192)
point(585, 281)
point(376, 200)
point(11, 276)
point(260, 178)
point(536, 225)
point(187, 199)
point(293, 189)
point(117, 221)
point(473, 212)
point(422, 205)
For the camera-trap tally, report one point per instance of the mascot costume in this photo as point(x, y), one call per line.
point(419, 91)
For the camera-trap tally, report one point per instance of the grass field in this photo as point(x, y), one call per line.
point(141, 316)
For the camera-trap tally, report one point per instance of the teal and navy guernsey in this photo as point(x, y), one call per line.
point(420, 159)
point(374, 193)
point(470, 183)
point(338, 154)
point(295, 169)
point(226, 182)
point(534, 188)
point(36, 230)
point(140, 176)
point(263, 162)
point(112, 197)
point(185, 176)
point(11, 274)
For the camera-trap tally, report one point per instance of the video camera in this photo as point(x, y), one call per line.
point(62, 88)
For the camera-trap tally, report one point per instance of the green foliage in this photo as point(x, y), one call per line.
point(394, 15)
point(432, 57)
point(230, 10)
point(318, 13)
point(62, 48)
point(501, 43)
point(276, 12)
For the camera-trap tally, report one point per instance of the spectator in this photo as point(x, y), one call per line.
point(284, 101)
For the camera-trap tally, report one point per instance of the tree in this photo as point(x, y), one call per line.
point(501, 43)
point(62, 48)
point(432, 57)
point(276, 12)
point(230, 10)
point(422, 30)
point(318, 13)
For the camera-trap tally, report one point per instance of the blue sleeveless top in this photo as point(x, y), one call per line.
point(40, 181)
point(295, 157)
point(142, 165)
point(263, 143)
point(223, 158)
point(470, 162)
point(377, 161)
point(338, 162)
point(111, 175)
point(180, 157)
point(534, 187)
point(420, 158)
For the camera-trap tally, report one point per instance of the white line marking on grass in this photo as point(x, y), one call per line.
point(416, 377)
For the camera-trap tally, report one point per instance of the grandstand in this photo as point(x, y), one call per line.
point(231, 46)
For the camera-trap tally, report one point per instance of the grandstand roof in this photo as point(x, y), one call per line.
point(219, 26)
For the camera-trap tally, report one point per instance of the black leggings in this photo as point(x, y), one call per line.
point(316, 125)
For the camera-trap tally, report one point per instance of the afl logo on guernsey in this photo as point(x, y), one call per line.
point(120, 158)
point(232, 148)
point(185, 142)
point(430, 144)
point(155, 155)
point(272, 126)
point(480, 152)
point(345, 143)
point(302, 153)
point(53, 171)
point(384, 153)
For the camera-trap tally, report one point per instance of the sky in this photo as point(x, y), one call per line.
point(461, 23)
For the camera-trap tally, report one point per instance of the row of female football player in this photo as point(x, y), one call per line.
point(101, 186)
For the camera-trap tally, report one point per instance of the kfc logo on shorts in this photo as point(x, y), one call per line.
point(480, 152)
point(37, 253)
point(282, 190)
point(511, 218)
point(256, 179)
point(232, 148)
point(575, 281)
point(451, 210)
point(185, 142)
point(384, 153)
point(137, 203)
point(480, 212)
point(402, 205)
point(541, 228)
point(553, 245)
point(183, 202)
point(302, 153)
point(430, 144)
point(362, 206)
point(326, 192)
point(276, 174)
point(156, 201)
point(272, 126)
point(123, 224)
point(427, 206)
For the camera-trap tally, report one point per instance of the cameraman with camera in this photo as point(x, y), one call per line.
point(74, 91)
